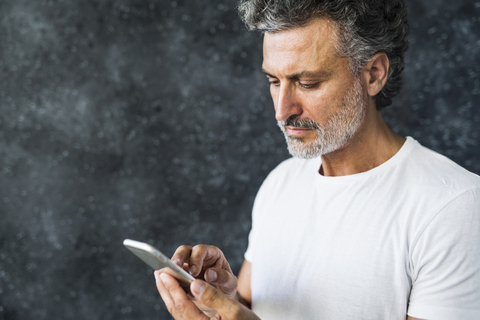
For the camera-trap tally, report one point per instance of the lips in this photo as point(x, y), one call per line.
point(297, 131)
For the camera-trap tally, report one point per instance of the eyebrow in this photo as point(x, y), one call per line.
point(303, 74)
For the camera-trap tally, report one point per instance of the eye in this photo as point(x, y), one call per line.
point(308, 85)
point(273, 81)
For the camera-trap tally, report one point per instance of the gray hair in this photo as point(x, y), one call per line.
point(364, 28)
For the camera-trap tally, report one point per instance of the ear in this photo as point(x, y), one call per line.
point(375, 73)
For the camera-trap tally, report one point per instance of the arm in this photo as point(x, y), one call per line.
point(445, 266)
point(244, 290)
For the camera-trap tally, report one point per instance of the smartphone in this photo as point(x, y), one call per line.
point(158, 261)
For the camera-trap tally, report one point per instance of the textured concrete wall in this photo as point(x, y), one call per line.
point(151, 120)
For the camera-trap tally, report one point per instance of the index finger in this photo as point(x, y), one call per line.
point(182, 255)
point(203, 257)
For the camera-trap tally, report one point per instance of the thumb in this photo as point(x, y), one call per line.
point(223, 280)
point(213, 298)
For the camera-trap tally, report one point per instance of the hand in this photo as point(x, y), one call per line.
point(207, 263)
point(182, 308)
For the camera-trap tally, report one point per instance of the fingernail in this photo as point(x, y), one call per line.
point(212, 275)
point(193, 269)
point(156, 275)
point(163, 277)
point(198, 287)
point(177, 262)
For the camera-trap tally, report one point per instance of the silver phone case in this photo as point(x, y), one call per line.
point(158, 261)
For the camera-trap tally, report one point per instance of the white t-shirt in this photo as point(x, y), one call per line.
point(402, 237)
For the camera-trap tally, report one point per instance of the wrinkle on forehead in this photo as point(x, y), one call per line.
point(303, 48)
point(317, 30)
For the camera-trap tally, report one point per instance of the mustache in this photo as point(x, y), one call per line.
point(296, 121)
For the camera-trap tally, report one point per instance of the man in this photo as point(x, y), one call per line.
point(362, 223)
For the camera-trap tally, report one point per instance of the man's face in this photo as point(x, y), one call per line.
point(319, 105)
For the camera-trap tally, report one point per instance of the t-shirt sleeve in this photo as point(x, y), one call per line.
point(445, 263)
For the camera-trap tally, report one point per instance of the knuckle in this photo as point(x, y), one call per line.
point(183, 247)
point(181, 253)
point(200, 247)
point(179, 307)
point(216, 250)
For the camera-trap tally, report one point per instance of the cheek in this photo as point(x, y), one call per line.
point(323, 105)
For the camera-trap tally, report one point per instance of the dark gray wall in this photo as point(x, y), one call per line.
point(151, 120)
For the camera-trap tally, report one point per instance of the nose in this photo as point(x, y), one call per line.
point(286, 102)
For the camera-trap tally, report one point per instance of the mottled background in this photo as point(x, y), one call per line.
point(151, 120)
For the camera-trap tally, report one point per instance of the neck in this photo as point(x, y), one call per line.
point(373, 144)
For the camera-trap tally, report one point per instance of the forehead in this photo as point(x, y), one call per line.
point(304, 48)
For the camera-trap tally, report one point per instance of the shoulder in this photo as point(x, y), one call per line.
point(434, 171)
point(436, 191)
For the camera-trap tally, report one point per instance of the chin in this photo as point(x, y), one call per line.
point(300, 149)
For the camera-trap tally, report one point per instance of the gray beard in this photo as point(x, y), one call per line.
point(338, 130)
